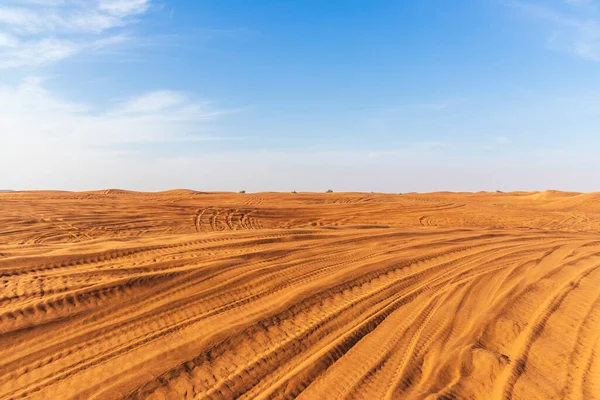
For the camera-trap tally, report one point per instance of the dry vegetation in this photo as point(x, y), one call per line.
point(184, 294)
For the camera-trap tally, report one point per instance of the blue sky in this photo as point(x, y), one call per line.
point(374, 95)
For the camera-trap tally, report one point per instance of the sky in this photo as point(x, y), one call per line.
point(307, 95)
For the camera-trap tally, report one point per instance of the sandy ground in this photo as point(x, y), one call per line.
point(181, 294)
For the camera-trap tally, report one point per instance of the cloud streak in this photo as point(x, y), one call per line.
point(574, 25)
point(59, 125)
point(38, 32)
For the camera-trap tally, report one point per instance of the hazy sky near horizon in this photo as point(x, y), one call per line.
point(352, 95)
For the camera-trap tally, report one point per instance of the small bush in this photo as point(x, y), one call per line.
point(242, 191)
point(329, 191)
point(499, 191)
point(294, 192)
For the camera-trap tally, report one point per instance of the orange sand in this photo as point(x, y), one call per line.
point(182, 294)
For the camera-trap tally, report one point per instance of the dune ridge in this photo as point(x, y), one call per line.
point(199, 295)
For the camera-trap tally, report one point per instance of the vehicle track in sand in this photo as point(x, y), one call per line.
point(387, 297)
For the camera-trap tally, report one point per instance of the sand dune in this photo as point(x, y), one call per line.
point(182, 294)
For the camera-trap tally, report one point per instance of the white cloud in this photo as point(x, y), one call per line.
point(123, 7)
point(37, 32)
point(37, 2)
point(575, 29)
point(47, 141)
point(153, 102)
point(34, 117)
point(578, 2)
point(8, 40)
point(36, 52)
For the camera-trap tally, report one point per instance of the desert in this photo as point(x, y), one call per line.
point(198, 295)
point(300, 199)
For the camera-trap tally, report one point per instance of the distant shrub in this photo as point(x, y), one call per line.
point(294, 192)
point(242, 191)
point(499, 191)
point(329, 191)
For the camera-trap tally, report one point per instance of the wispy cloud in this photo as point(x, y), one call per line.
point(60, 125)
point(37, 32)
point(574, 25)
point(154, 102)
